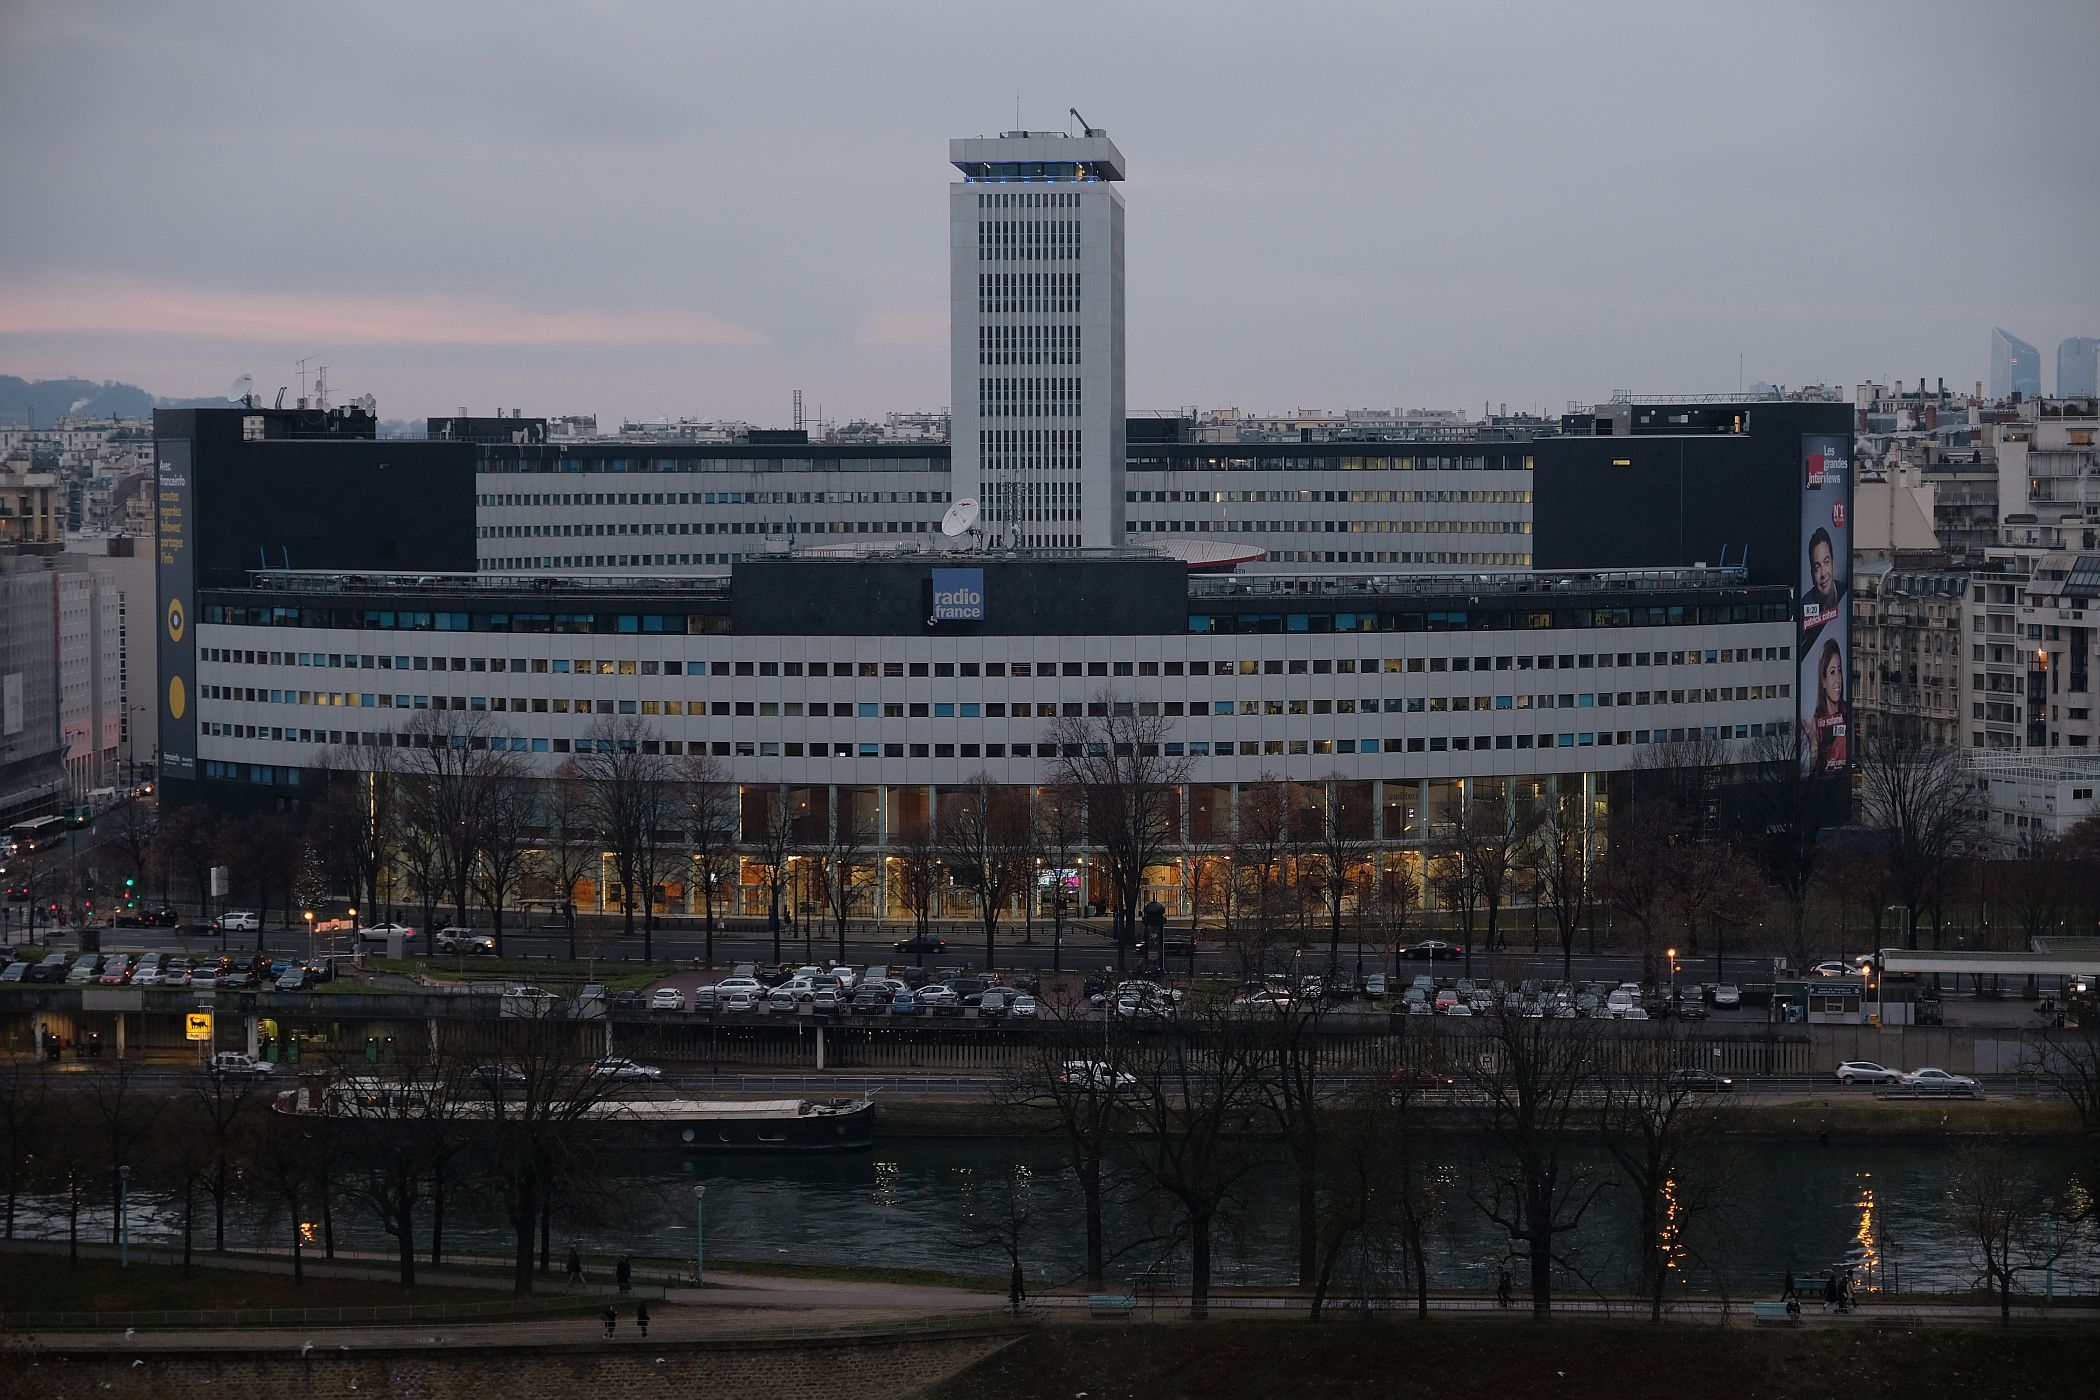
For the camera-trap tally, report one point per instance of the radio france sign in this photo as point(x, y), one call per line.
point(958, 595)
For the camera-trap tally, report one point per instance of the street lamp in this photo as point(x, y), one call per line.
point(1673, 978)
point(699, 1224)
point(124, 1217)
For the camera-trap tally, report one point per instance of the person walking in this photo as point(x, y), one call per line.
point(641, 1318)
point(1845, 1294)
point(575, 1268)
point(623, 1274)
point(1503, 1287)
point(1787, 1290)
point(1830, 1292)
point(611, 1320)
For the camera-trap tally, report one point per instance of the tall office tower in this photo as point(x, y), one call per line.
point(2078, 368)
point(2016, 366)
point(1035, 262)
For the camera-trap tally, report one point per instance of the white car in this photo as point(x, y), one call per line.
point(667, 999)
point(1938, 1079)
point(1023, 1007)
point(379, 933)
point(737, 998)
point(464, 940)
point(625, 1069)
point(1094, 1074)
point(729, 985)
point(239, 921)
point(1867, 1072)
point(795, 989)
point(1728, 994)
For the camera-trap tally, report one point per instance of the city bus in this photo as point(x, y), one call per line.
point(38, 831)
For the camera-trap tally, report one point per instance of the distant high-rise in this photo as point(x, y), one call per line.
point(1035, 263)
point(2016, 366)
point(2078, 368)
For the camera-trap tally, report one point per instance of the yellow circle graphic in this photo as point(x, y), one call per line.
point(178, 698)
point(176, 619)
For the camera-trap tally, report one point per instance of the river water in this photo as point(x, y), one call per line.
point(1880, 1207)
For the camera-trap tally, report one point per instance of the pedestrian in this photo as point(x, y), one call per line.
point(623, 1273)
point(611, 1319)
point(1830, 1293)
point(641, 1318)
point(1503, 1287)
point(1786, 1290)
point(575, 1268)
point(1845, 1294)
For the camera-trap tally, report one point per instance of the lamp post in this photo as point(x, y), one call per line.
point(124, 1217)
point(699, 1241)
point(1673, 978)
point(309, 934)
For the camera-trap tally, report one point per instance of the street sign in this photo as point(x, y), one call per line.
point(197, 1025)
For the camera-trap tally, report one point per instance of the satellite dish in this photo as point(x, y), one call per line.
point(961, 517)
point(242, 387)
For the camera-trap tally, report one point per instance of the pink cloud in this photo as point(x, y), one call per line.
point(86, 305)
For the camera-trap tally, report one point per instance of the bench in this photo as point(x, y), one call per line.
point(1110, 1304)
point(1775, 1314)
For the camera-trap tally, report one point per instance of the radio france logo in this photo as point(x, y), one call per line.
point(958, 595)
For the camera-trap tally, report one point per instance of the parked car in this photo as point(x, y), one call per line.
point(499, 1076)
point(738, 998)
point(464, 940)
point(938, 1000)
point(116, 972)
point(1938, 1079)
point(1831, 969)
point(15, 971)
point(667, 999)
point(906, 1003)
point(204, 979)
point(994, 1004)
point(1867, 1072)
point(1434, 950)
point(1023, 1006)
point(51, 969)
point(1701, 1081)
point(871, 1000)
point(235, 1062)
point(237, 980)
point(707, 998)
point(969, 989)
point(1408, 1078)
point(1727, 995)
point(379, 933)
point(1374, 985)
point(1094, 1075)
point(921, 943)
point(237, 921)
point(614, 1067)
point(292, 979)
point(740, 982)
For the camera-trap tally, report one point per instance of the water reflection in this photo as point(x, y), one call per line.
point(1863, 1259)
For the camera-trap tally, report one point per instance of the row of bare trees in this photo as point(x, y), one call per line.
point(436, 1126)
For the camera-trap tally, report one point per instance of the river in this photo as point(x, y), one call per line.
point(1880, 1206)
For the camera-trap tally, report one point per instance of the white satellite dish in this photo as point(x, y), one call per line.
point(961, 518)
point(242, 388)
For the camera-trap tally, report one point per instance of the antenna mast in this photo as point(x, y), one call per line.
point(303, 363)
point(801, 423)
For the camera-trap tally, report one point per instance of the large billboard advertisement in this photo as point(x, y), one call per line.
point(177, 576)
point(1824, 655)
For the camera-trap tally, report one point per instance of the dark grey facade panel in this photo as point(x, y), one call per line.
point(1020, 597)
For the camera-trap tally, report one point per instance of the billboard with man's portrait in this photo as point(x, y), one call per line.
point(1823, 656)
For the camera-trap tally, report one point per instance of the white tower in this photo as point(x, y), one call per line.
point(1035, 262)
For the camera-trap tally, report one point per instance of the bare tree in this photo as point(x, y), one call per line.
point(1922, 803)
point(1534, 1077)
point(838, 861)
point(1339, 845)
point(1661, 1127)
point(1197, 1100)
point(122, 1114)
point(1263, 848)
point(193, 839)
point(1789, 804)
point(983, 839)
point(570, 850)
point(1000, 1213)
point(710, 822)
point(769, 834)
point(1562, 855)
point(451, 764)
point(1298, 1087)
point(508, 813)
point(1117, 759)
point(225, 1110)
point(628, 784)
point(356, 821)
point(918, 877)
point(1999, 1201)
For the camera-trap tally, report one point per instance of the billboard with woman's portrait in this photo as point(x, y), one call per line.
point(1823, 655)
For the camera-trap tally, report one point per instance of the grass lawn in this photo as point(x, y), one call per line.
point(1453, 1359)
point(45, 1283)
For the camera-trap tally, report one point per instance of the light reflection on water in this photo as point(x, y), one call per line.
point(1800, 1206)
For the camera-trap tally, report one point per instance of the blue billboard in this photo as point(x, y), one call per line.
point(958, 595)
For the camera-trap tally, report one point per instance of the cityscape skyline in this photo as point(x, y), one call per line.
point(298, 205)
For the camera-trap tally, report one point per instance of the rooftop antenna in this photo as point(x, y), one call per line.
point(302, 363)
point(801, 424)
point(1084, 129)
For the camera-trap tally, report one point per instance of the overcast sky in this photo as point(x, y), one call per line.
point(693, 208)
